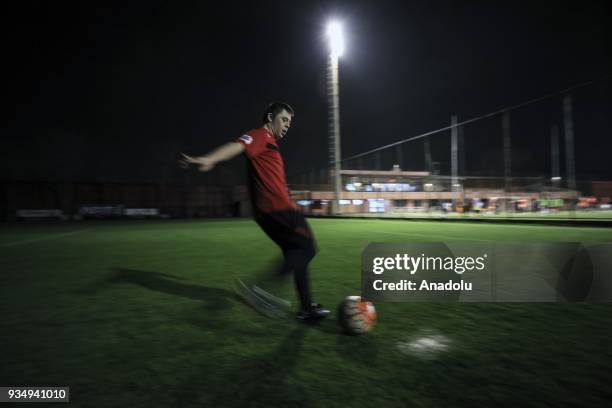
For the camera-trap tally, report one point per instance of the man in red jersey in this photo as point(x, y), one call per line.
point(273, 210)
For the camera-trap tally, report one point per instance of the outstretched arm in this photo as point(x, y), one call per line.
point(208, 161)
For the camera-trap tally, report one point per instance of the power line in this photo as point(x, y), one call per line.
point(488, 115)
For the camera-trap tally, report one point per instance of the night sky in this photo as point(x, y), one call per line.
point(108, 91)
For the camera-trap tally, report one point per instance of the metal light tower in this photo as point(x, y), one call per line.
point(336, 42)
point(454, 167)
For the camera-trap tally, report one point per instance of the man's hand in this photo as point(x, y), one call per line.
point(204, 163)
point(208, 161)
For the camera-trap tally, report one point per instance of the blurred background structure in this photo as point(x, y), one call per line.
point(517, 160)
point(523, 160)
point(444, 111)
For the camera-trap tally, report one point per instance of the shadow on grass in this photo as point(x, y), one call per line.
point(216, 299)
point(265, 380)
point(362, 349)
point(268, 379)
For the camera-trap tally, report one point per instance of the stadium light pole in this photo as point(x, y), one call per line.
point(336, 45)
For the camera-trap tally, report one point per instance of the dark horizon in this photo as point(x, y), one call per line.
point(113, 93)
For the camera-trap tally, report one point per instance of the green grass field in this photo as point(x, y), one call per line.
point(142, 313)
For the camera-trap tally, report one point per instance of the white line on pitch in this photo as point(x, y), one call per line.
point(29, 241)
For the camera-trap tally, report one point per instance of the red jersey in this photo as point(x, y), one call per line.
point(266, 172)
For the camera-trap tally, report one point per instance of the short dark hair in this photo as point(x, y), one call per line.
point(275, 108)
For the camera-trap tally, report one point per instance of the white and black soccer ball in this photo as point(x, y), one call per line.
point(356, 316)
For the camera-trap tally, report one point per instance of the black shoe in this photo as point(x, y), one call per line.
point(315, 313)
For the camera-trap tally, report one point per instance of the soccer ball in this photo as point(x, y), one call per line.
point(356, 316)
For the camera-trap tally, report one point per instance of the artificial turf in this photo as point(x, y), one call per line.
point(143, 314)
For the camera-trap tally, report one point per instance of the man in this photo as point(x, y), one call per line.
point(273, 210)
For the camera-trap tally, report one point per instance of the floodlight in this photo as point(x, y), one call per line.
point(336, 41)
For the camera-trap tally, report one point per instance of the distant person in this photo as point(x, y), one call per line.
point(272, 208)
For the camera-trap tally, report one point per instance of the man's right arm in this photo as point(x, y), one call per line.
point(222, 153)
point(225, 152)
